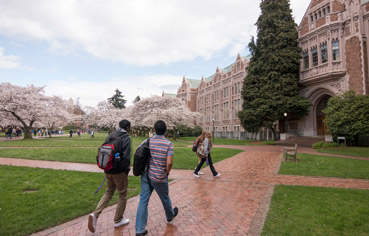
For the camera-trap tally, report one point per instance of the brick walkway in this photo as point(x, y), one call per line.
point(234, 204)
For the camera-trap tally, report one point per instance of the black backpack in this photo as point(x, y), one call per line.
point(141, 158)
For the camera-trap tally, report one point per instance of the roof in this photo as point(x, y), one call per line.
point(170, 95)
point(194, 83)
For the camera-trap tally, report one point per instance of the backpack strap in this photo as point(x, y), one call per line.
point(147, 167)
point(101, 185)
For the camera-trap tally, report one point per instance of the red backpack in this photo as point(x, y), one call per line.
point(106, 153)
point(195, 145)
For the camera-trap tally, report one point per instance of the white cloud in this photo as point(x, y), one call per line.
point(142, 32)
point(93, 92)
point(8, 62)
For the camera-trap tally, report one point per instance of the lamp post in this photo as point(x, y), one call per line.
point(285, 122)
point(213, 129)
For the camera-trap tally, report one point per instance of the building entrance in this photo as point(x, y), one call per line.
point(320, 117)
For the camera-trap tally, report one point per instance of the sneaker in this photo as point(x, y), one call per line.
point(197, 176)
point(200, 173)
point(175, 210)
point(92, 222)
point(122, 222)
point(216, 176)
point(142, 234)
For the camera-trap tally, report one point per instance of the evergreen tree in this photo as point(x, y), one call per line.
point(117, 100)
point(137, 99)
point(271, 86)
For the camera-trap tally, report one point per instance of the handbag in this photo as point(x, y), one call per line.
point(201, 151)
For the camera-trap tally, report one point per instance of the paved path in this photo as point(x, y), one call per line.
point(234, 204)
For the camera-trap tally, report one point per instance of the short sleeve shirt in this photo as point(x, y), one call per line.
point(160, 149)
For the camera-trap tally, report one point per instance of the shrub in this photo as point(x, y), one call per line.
point(324, 145)
point(185, 131)
point(347, 115)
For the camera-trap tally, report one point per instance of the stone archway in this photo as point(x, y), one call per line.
point(321, 128)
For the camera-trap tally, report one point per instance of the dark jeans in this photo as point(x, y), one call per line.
point(210, 162)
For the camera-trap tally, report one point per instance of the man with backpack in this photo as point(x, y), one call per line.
point(156, 178)
point(116, 175)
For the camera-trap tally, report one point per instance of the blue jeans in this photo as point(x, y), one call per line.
point(162, 190)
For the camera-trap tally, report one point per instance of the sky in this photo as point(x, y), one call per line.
point(86, 49)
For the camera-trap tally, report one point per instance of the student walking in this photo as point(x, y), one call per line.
point(207, 150)
point(9, 133)
point(116, 178)
point(156, 178)
point(200, 140)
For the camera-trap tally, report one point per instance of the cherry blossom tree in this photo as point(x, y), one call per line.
point(58, 113)
point(106, 115)
point(29, 105)
point(172, 111)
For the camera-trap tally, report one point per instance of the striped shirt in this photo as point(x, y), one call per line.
point(160, 149)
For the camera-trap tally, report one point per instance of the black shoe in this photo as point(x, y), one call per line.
point(175, 213)
point(142, 234)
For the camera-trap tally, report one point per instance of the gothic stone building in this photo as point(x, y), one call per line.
point(333, 36)
point(218, 99)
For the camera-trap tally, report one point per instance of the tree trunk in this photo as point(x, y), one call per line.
point(28, 132)
point(174, 133)
point(274, 133)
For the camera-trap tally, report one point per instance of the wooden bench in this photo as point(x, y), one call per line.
point(291, 152)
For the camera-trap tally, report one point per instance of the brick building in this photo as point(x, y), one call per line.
point(333, 36)
point(218, 98)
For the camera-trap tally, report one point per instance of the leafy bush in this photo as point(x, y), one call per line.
point(185, 131)
point(347, 115)
point(324, 145)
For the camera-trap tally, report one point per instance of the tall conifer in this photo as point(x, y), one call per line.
point(117, 100)
point(271, 85)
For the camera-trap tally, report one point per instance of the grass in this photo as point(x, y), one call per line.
point(297, 210)
point(184, 158)
point(314, 165)
point(220, 141)
point(75, 141)
point(32, 199)
point(347, 151)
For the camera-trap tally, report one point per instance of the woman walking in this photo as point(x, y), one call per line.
point(200, 140)
point(206, 155)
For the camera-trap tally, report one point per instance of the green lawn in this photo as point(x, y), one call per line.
point(314, 165)
point(184, 158)
point(348, 151)
point(306, 211)
point(32, 199)
point(75, 141)
point(219, 141)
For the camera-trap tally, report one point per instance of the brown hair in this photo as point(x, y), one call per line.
point(201, 138)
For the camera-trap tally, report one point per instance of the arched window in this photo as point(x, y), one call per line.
point(305, 58)
point(335, 50)
point(314, 55)
point(324, 52)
